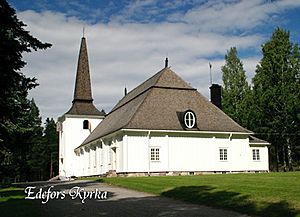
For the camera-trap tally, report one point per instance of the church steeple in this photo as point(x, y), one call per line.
point(83, 101)
point(83, 90)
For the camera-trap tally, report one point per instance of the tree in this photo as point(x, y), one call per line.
point(235, 89)
point(14, 87)
point(277, 93)
point(51, 141)
point(32, 145)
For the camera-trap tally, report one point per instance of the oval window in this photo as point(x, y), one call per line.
point(189, 119)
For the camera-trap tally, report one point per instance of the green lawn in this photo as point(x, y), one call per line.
point(268, 194)
point(13, 204)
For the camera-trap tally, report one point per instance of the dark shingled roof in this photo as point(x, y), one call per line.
point(155, 105)
point(254, 140)
point(83, 101)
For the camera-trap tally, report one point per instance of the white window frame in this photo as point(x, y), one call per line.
point(95, 157)
point(155, 154)
point(255, 155)
point(110, 156)
point(90, 158)
point(223, 154)
point(189, 119)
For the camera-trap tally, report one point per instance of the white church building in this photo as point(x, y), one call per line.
point(162, 127)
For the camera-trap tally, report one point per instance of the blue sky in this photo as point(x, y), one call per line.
point(128, 41)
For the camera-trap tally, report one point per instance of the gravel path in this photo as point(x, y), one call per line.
point(123, 202)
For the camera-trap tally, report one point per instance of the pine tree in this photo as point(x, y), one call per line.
point(51, 141)
point(235, 88)
point(277, 93)
point(36, 151)
point(14, 87)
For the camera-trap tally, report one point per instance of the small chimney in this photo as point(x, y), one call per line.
point(215, 95)
point(166, 62)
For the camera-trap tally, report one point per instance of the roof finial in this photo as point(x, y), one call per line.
point(83, 30)
point(125, 90)
point(166, 62)
point(210, 75)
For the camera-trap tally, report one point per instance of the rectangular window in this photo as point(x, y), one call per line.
point(90, 157)
point(223, 154)
point(95, 160)
point(110, 156)
point(154, 154)
point(255, 154)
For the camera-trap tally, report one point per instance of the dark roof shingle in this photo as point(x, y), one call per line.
point(155, 104)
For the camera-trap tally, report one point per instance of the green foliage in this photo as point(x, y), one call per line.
point(51, 141)
point(235, 89)
point(19, 122)
point(269, 194)
point(271, 108)
point(276, 90)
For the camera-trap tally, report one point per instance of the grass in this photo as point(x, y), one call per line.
point(268, 194)
point(12, 203)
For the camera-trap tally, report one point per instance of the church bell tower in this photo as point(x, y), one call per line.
point(81, 119)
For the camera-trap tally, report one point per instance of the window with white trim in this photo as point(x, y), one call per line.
point(255, 154)
point(95, 159)
point(154, 154)
point(189, 119)
point(90, 158)
point(223, 154)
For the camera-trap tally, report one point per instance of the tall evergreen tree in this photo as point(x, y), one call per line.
point(32, 140)
point(277, 93)
point(235, 88)
point(51, 141)
point(14, 87)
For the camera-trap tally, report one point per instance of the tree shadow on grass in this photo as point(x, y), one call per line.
point(14, 204)
point(12, 193)
point(229, 200)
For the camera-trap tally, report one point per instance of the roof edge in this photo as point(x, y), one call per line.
point(187, 131)
point(164, 131)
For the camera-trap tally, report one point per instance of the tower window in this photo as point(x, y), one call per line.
point(86, 124)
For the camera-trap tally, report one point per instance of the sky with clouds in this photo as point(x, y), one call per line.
point(129, 40)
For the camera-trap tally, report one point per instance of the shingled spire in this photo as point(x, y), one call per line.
point(83, 101)
point(83, 90)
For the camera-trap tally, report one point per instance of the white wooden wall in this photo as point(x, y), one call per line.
point(177, 153)
point(71, 136)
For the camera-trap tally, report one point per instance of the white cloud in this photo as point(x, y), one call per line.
point(128, 53)
point(228, 16)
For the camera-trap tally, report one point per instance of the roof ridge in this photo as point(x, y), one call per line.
point(149, 79)
point(153, 86)
point(160, 79)
point(168, 69)
point(130, 100)
point(136, 89)
point(137, 109)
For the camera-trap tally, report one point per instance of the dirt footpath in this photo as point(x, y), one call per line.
point(120, 202)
